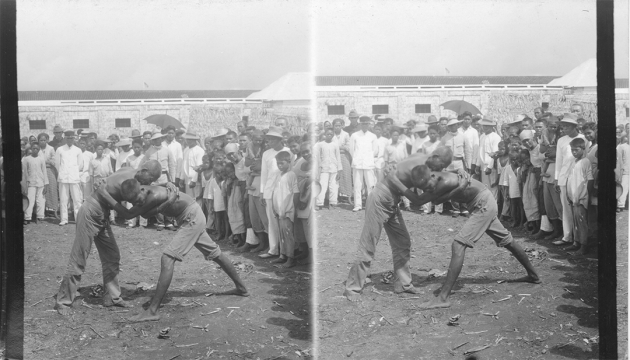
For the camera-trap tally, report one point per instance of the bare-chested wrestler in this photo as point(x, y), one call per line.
point(148, 201)
point(382, 211)
point(442, 186)
point(92, 226)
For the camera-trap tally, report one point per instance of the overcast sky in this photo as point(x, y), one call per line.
point(188, 45)
point(467, 37)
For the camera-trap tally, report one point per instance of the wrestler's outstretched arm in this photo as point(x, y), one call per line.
point(152, 204)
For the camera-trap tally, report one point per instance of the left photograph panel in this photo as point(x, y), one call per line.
point(166, 155)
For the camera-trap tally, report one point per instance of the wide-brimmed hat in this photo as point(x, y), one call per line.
point(274, 131)
point(517, 119)
point(136, 132)
point(353, 113)
point(526, 134)
point(68, 133)
point(157, 135)
point(419, 127)
point(432, 120)
point(57, 128)
point(221, 132)
point(190, 136)
point(365, 119)
point(124, 142)
point(453, 121)
point(487, 122)
point(569, 118)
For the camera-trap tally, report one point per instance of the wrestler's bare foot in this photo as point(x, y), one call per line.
point(528, 279)
point(63, 309)
point(236, 291)
point(289, 264)
point(436, 303)
point(145, 316)
point(352, 296)
point(411, 290)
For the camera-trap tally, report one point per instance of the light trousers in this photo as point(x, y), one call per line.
point(359, 176)
point(621, 202)
point(273, 231)
point(329, 182)
point(567, 215)
point(35, 195)
point(74, 191)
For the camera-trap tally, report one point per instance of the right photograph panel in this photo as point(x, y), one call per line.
point(456, 152)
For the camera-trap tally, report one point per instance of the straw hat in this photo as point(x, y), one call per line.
point(274, 131)
point(157, 135)
point(124, 142)
point(569, 118)
point(453, 121)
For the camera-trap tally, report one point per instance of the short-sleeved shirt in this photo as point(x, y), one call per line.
point(285, 187)
point(216, 193)
point(580, 172)
point(34, 171)
point(101, 167)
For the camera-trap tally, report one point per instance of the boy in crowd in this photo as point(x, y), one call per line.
point(284, 194)
point(328, 159)
point(133, 161)
point(149, 200)
point(579, 185)
point(35, 178)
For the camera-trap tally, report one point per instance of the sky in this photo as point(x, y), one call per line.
point(461, 37)
point(195, 45)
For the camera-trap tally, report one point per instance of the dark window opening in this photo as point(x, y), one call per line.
point(37, 124)
point(380, 109)
point(80, 123)
point(121, 123)
point(423, 108)
point(336, 110)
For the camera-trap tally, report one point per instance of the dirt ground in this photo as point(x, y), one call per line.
point(554, 320)
point(273, 323)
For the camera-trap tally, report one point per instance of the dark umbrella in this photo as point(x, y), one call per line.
point(163, 120)
point(460, 106)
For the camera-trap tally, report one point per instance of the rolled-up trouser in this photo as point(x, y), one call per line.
point(505, 194)
point(381, 211)
point(592, 221)
point(483, 220)
point(273, 230)
point(580, 223)
point(567, 215)
point(621, 202)
point(287, 239)
point(359, 176)
point(329, 182)
point(553, 205)
point(257, 214)
point(92, 226)
point(35, 196)
point(74, 190)
point(488, 180)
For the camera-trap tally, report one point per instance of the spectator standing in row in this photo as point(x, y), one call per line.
point(363, 149)
point(69, 161)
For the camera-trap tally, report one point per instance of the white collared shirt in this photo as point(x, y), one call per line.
point(471, 145)
point(69, 163)
point(488, 144)
point(364, 149)
point(193, 159)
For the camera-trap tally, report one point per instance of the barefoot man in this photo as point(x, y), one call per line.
point(93, 227)
point(382, 211)
point(442, 186)
point(148, 201)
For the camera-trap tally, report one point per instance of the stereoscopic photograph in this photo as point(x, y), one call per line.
point(314, 179)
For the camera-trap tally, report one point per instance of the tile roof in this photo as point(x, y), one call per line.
point(429, 80)
point(130, 94)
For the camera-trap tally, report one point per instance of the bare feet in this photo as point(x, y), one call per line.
point(289, 264)
point(352, 296)
point(236, 291)
point(145, 316)
point(108, 302)
point(259, 248)
point(279, 260)
point(411, 290)
point(64, 310)
point(436, 303)
point(245, 248)
point(528, 279)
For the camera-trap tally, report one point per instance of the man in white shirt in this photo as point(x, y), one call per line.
point(176, 149)
point(564, 158)
point(488, 146)
point(363, 149)
point(382, 143)
point(471, 142)
point(193, 158)
point(269, 176)
point(69, 162)
point(86, 181)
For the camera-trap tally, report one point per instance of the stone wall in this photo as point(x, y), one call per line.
point(501, 104)
point(203, 119)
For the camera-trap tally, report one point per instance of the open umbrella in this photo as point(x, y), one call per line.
point(459, 106)
point(163, 120)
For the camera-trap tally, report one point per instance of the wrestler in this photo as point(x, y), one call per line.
point(150, 200)
point(92, 225)
point(438, 187)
